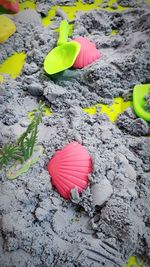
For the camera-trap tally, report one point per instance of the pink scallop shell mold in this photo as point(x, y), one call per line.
point(69, 168)
point(88, 53)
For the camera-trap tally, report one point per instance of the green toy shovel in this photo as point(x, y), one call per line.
point(139, 102)
point(63, 56)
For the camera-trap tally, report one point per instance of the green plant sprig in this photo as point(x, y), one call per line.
point(24, 146)
point(10, 151)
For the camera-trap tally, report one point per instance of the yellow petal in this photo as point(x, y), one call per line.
point(112, 111)
point(7, 28)
point(13, 65)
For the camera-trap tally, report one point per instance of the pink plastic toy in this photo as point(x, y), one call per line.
point(88, 53)
point(69, 168)
point(11, 5)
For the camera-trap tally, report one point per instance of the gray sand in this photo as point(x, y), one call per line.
point(110, 220)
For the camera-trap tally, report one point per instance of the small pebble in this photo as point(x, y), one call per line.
point(41, 214)
point(104, 5)
point(101, 192)
point(114, 6)
point(35, 89)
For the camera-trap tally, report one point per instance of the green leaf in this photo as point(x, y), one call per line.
point(28, 139)
point(24, 147)
point(17, 169)
point(10, 152)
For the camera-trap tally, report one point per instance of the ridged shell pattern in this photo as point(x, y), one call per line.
point(69, 168)
point(88, 53)
point(13, 6)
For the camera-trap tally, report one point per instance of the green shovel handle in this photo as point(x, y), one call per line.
point(63, 32)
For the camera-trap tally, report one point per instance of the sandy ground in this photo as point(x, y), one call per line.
point(39, 227)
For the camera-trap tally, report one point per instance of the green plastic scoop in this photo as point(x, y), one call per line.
point(63, 56)
point(139, 102)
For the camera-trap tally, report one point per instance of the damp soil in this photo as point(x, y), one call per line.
point(39, 227)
